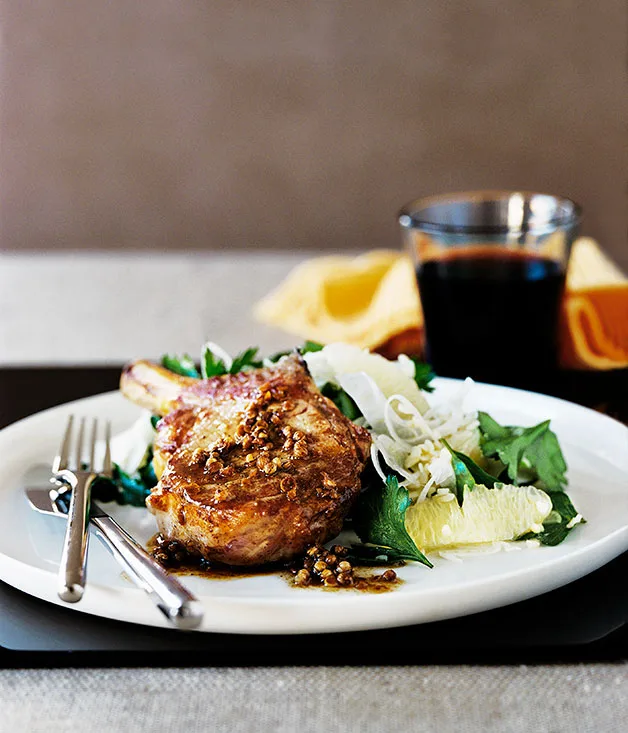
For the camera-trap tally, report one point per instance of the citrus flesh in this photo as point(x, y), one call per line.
point(486, 515)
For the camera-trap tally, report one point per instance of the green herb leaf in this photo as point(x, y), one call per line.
point(562, 504)
point(278, 355)
point(154, 419)
point(104, 489)
point(245, 361)
point(124, 488)
point(468, 473)
point(146, 471)
point(423, 375)
point(491, 429)
point(511, 449)
point(479, 474)
point(307, 348)
point(546, 460)
point(464, 478)
point(379, 519)
point(131, 489)
point(342, 400)
point(533, 453)
point(554, 532)
point(211, 365)
point(310, 346)
point(183, 365)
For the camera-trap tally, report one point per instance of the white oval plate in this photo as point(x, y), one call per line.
point(595, 446)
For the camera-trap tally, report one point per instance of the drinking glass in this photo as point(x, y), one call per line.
point(491, 272)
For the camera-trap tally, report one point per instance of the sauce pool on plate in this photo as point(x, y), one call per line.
point(318, 568)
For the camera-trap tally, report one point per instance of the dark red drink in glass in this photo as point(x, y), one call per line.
point(491, 272)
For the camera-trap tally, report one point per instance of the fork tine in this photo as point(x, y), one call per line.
point(79, 444)
point(92, 449)
point(61, 461)
point(107, 468)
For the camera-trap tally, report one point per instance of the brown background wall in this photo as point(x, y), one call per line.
point(208, 124)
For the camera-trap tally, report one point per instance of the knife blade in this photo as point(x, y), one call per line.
point(174, 600)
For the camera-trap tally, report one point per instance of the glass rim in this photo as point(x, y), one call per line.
point(411, 215)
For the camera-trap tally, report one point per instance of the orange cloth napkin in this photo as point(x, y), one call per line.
point(594, 329)
point(372, 301)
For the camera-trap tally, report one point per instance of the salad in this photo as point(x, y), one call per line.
point(441, 477)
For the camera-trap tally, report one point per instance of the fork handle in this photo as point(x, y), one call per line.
point(172, 599)
point(74, 556)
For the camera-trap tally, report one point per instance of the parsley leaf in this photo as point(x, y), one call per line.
point(342, 400)
point(310, 346)
point(183, 365)
point(464, 479)
point(379, 519)
point(146, 471)
point(124, 488)
point(467, 473)
point(423, 375)
point(555, 527)
point(131, 489)
point(307, 347)
point(212, 366)
point(533, 452)
point(491, 429)
point(278, 355)
point(532, 455)
point(246, 360)
point(546, 459)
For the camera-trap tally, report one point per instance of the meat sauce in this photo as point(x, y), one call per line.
point(318, 568)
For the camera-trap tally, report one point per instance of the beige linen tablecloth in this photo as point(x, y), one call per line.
point(115, 310)
point(578, 699)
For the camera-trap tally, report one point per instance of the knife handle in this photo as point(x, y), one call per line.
point(172, 599)
point(72, 568)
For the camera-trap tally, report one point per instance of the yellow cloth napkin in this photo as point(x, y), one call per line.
point(362, 300)
point(372, 301)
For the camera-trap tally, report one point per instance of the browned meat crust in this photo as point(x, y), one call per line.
point(257, 465)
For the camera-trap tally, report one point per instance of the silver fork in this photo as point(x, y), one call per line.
point(79, 477)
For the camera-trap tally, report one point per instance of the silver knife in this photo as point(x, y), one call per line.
point(171, 597)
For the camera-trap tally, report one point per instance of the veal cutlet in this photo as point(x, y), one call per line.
point(253, 467)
